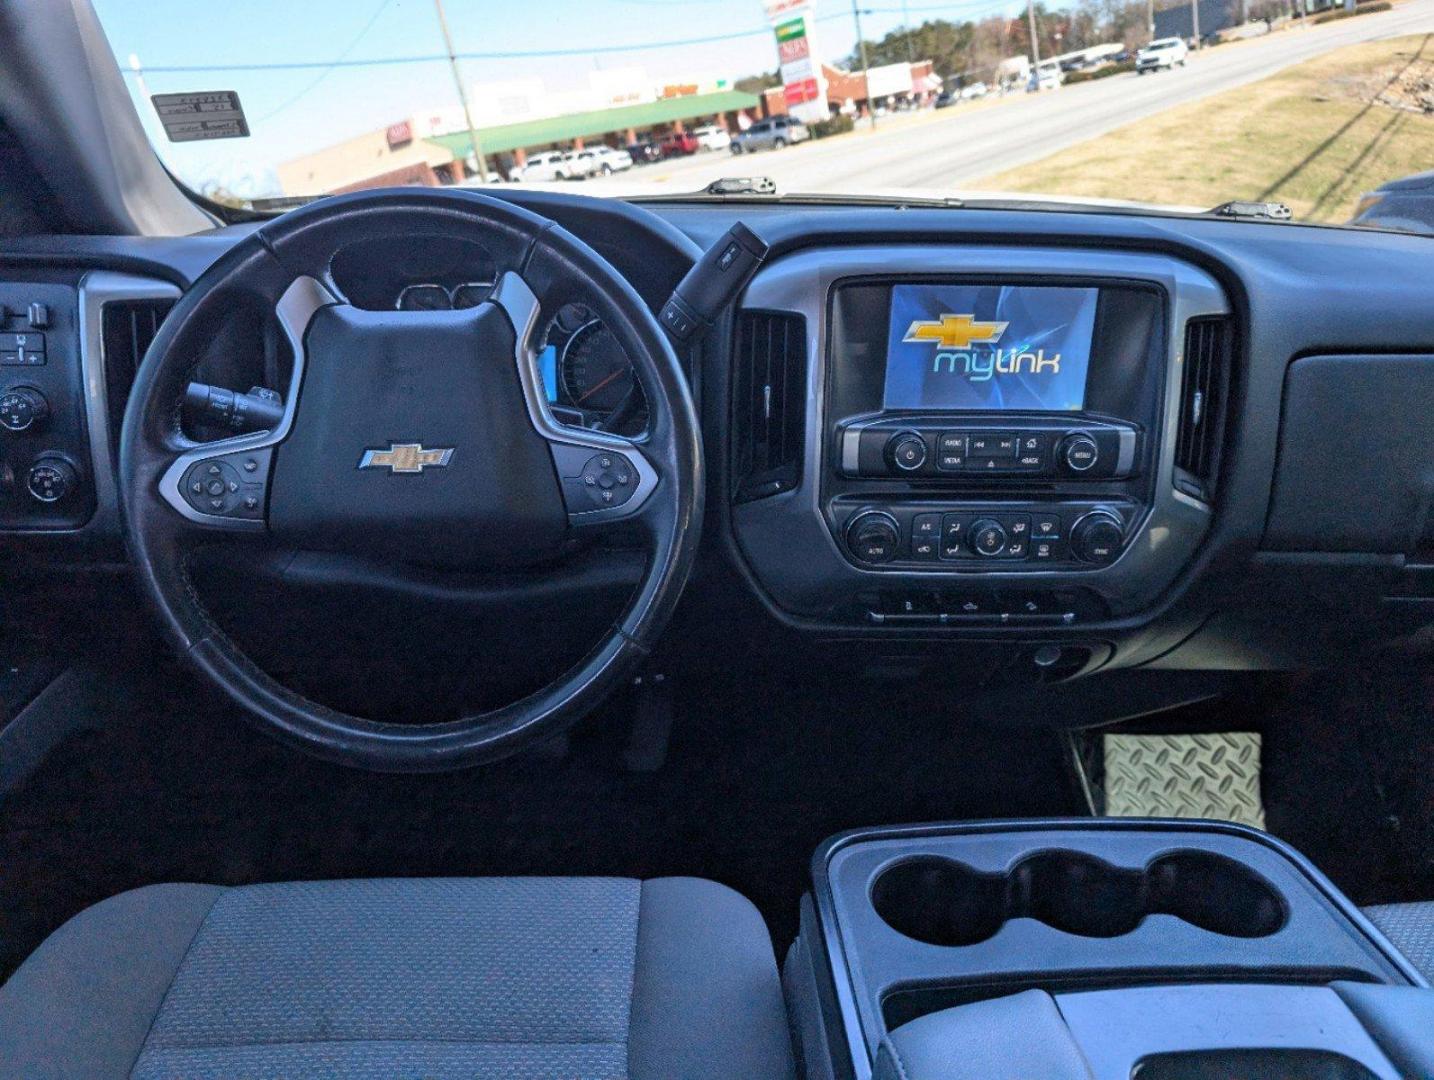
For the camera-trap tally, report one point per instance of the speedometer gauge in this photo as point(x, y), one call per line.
point(588, 375)
point(596, 372)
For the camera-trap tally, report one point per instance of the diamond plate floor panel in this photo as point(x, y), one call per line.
point(1194, 776)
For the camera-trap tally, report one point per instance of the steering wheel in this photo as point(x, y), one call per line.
point(421, 437)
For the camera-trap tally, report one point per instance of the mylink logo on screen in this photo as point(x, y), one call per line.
point(970, 347)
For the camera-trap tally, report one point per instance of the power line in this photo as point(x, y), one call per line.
point(431, 58)
point(383, 6)
point(342, 61)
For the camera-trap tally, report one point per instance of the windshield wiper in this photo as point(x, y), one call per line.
point(1266, 211)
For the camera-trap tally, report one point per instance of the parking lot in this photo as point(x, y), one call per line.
point(957, 147)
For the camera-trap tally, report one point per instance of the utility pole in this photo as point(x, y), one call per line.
point(1035, 45)
point(1150, 17)
point(462, 94)
point(1195, 20)
point(906, 26)
point(865, 67)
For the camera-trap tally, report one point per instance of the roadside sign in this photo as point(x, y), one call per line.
point(803, 87)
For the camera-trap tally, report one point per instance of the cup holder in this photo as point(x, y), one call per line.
point(940, 901)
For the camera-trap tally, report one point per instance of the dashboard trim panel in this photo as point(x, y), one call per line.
point(96, 289)
point(822, 584)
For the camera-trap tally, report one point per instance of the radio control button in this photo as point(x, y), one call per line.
point(907, 451)
point(988, 537)
point(950, 462)
point(1031, 451)
point(951, 443)
point(986, 444)
point(1079, 453)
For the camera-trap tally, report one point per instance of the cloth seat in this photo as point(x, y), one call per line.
point(430, 978)
point(1410, 927)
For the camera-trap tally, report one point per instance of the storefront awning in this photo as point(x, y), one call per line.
point(562, 129)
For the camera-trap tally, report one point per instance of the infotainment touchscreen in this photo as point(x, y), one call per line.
point(989, 347)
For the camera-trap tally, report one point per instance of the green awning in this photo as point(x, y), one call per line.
point(559, 129)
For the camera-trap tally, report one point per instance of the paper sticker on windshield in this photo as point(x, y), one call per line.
point(191, 117)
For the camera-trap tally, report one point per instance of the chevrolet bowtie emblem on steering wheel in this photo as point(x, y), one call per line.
point(406, 458)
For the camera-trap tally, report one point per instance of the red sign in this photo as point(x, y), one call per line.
point(400, 134)
point(798, 92)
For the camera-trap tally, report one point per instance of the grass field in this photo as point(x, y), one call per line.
point(1316, 137)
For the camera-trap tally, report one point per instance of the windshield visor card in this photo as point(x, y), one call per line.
point(989, 347)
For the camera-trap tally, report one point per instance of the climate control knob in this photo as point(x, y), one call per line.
point(873, 537)
point(51, 479)
point(907, 451)
point(22, 407)
point(1097, 538)
point(1078, 453)
point(988, 537)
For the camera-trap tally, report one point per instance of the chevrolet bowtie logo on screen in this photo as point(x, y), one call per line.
point(955, 331)
point(989, 347)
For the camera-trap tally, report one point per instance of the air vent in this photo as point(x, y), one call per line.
point(128, 327)
point(769, 402)
point(1202, 397)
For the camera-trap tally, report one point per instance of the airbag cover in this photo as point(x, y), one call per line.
point(441, 380)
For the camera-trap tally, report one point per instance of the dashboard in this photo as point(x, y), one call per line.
point(1085, 441)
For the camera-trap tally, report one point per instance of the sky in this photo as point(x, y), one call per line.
point(291, 111)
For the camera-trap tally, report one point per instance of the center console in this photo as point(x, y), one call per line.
point(992, 438)
point(1107, 949)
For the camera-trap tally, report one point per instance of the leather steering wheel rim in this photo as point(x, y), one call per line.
point(296, 250)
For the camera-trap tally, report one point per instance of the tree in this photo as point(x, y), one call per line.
point(969, 51)
point(755, 84)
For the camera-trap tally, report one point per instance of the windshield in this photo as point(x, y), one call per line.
point(1321, 108)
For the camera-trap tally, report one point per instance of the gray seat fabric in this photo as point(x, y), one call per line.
point(404, 978)
point(1411, 928)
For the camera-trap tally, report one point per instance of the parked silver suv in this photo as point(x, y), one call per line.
point(772, 133)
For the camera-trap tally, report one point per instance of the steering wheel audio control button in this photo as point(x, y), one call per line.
point(231, 485)
point(609, 480)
